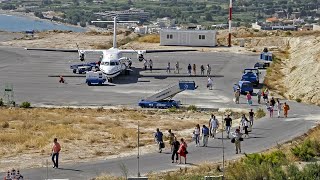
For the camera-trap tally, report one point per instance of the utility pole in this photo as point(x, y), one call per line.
point(230, 21)
point(222, 150)
point(138, 150)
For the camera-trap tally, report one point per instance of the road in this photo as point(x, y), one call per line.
point(28, 72)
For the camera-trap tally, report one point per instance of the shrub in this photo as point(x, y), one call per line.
point(192, 108)
point(298, 100)
point(152, 38)
point(172, 109)
point(25, 105)
point(5, 125)
point(260, 113)
point(1, 102)
point(306, 151)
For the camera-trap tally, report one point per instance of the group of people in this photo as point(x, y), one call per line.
point(147, 64)
point(193, 69)
point(13, 175)
point(178, 149)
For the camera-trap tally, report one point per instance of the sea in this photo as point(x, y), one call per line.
point(12, 23)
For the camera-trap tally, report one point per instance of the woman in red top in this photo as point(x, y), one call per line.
point(183, 151)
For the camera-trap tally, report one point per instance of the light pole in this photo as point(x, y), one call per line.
point(222, 150)
point(138, 157)
point(230, 21)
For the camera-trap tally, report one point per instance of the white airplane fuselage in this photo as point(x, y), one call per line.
point(110, 64)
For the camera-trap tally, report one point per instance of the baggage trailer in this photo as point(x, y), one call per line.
point(84, 67)
point(163, 99)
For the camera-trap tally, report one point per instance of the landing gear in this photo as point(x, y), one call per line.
point(110, 80)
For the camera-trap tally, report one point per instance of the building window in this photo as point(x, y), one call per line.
point(202, 36)
point(169, 36)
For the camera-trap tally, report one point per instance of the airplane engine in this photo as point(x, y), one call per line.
point(140, 57)
point(81, 56)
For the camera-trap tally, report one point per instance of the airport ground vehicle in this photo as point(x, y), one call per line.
point(251, 75)
point(97, 78)
point(163, 98)
point(84, 67)
point(244, 86)
point(260, 65)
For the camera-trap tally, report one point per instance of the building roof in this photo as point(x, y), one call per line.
point(272, 19)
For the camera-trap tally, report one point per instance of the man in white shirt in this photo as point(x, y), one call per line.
point(209, 84)
point(213, 125)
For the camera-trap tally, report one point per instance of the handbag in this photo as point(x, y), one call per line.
point(233, 140)
point(241, 139)
point(186, 152)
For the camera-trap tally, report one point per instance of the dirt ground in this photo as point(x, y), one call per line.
point(87, 134)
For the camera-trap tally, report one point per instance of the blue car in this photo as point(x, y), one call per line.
point(244, 86)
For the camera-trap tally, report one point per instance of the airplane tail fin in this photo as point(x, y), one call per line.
point(115, 28)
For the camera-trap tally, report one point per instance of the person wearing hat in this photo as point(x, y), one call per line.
point(237, 140)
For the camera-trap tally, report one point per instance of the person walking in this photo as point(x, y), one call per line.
point(171, 138)
point(150, 65)
point(56, 148)
point(189, 69)
point(273, 102)
point(259, 96)
point(286, 108)
point(265, 95)
point(209, 83)
point(159, 139)
point(197, 135)
point(237, 96)
point(175, 148)
point(271, 109)
point(249, 98)
point(237, 135)
point(208, 70)
point(251, 116)
point(228, 123)
point(145, 64)
point(279, 107)
point(194, 68)
point(168, 68)
point(61, 79)
point(202, 69)
point(205, 136)
point(213, 125)
point(245, 124)
point(183, 151)
point(177, 68)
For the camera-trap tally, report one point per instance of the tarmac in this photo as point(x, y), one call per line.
point(29, 71)
point(33, 75)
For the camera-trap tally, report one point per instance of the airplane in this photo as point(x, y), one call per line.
point(112, 60)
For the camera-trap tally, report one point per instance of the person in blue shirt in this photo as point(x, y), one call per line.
point(205, 135)
point(159, 138)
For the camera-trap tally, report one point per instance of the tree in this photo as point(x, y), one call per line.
point(89, 1)
point(208, 17)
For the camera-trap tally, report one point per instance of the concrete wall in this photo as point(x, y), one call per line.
point(188, 38)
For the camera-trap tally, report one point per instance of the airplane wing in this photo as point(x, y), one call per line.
point(67, 50)
point(154, 51)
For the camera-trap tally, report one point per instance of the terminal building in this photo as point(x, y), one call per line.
point(202, 38)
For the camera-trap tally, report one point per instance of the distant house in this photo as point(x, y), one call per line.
point(272, 20)
point(284, 28)
point(188, 38)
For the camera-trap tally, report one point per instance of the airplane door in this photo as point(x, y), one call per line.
point(183, 39)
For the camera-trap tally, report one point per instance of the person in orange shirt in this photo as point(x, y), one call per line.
point(55, 153)
point(286, 108)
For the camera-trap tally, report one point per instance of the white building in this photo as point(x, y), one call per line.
point(171, 37)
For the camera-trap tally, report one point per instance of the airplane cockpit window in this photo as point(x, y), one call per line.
point(105, 63)
point(112, 63)
point(117, 63)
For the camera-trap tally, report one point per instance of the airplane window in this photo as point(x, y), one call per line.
point(112, 63)
point(105, 63)
point(117, 63)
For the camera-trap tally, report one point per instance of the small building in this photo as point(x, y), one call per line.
point(169, 37)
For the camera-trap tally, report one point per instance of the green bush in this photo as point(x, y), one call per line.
point(172, 109)
point(298, 100)
point(260, 113)
point(306, 151)
point(1, 102)
point(25, 105)
point(192, 108)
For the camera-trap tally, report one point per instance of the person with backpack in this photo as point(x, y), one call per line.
point(171, 139)
point(175, 149)
point(159, 139)
point(286, 108)
point(237, 138)
point(245, 124)
point(205, 135)
point(213, 125)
